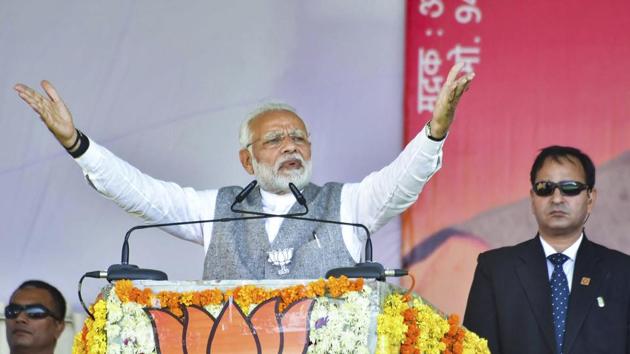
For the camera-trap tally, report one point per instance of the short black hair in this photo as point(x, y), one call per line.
point(556, 153)
point(58, 299)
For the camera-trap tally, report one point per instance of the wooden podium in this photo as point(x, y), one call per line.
point(337, 315)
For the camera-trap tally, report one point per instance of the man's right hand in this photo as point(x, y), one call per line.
point(52, 111)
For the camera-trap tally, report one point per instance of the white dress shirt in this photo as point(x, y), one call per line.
point(569, 264)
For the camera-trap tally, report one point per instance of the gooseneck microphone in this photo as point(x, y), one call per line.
point(124, 270)
point(245, 192)
point(248, 189)
point(367, 269)
point(298, 195)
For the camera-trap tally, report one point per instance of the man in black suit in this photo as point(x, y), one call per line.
point(558, 292)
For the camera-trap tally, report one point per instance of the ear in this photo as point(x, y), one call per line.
point(591, 198)
point(246, 160)
point(59, 327)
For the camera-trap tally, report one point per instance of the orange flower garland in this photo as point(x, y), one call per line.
point(410, 316)
point(126, 292)
point(342, 285)
point(244, 296)
point(454, 338)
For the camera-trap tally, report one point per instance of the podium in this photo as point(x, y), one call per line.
point(337, 315)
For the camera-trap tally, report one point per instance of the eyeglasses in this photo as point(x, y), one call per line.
point(34, 311)
point(567, 188)
point(274, 140)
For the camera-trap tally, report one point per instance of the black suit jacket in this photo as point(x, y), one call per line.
point(510, 301)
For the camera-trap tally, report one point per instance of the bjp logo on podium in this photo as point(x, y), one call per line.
point(265, 330)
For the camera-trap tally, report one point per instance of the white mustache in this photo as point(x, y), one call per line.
point(286, 158)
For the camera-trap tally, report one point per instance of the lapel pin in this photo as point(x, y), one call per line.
point(585, 281)
point(600, 301)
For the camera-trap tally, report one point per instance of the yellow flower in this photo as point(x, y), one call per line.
point(186, 298)
point(95, 336)
point(391, 329)
point(78, 344)
point(432, 328)
point(474, 345)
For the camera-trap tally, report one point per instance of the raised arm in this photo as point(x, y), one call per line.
point(137, 193)
point(52, 111)
point(385, 194)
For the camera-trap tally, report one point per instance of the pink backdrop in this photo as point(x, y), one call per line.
point(548, 72)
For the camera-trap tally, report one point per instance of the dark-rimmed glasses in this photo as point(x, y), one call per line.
point(34, 311)
point(273, 140)
point(567, 188)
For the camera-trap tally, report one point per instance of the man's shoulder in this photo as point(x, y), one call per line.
point(329, 191)
point(508, 254)
point(610, 255)
point(230, 190)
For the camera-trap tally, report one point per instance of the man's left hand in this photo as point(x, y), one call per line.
point(451, 92)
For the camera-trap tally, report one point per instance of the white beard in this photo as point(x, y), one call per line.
point(271, 180)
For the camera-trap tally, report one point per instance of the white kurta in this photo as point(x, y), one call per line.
point(379, 197)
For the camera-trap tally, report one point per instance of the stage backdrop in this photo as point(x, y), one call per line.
point(548, 72)
point(165, 85)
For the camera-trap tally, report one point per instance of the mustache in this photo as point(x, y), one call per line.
point(558, 208)
point(288, 157)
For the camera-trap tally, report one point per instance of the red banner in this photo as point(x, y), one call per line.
point(547, 73)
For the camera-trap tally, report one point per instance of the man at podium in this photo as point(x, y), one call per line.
point(276, 150)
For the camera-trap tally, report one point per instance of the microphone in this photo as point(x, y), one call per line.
point(124, 270)
point(132, 272)
point(248, 189)
point(368, 242)
point(245, 192)
point(367, 269)
point(298, 195)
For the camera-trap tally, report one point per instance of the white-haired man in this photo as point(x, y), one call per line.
point(275, 148)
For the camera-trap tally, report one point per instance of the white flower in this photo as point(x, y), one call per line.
point(129, 329)
point(214, 310)
point(340, 326)
point(113, 348)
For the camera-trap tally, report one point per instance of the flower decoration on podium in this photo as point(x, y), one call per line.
point(337, 315)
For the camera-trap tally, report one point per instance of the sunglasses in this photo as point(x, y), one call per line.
point(567, 188)
point(34, 311)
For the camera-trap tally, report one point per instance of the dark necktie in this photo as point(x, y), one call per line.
point(559, 297)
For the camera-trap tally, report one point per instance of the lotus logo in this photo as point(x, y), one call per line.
point(264, 331)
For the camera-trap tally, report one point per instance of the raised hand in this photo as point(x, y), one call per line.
point(52, 111)
point(451, 92)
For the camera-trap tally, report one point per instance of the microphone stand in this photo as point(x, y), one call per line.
point(124, 270)
point(367, 269)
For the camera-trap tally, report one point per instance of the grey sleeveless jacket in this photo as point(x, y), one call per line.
point(239, 250)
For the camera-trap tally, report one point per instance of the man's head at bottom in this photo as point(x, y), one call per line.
point(35, 318)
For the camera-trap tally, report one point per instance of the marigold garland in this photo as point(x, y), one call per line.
point(245, 296)
point(406, 325)
point(92, 339)
point(454, 338)
point(414, 327)
point(391, 329)
point(413, 332)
